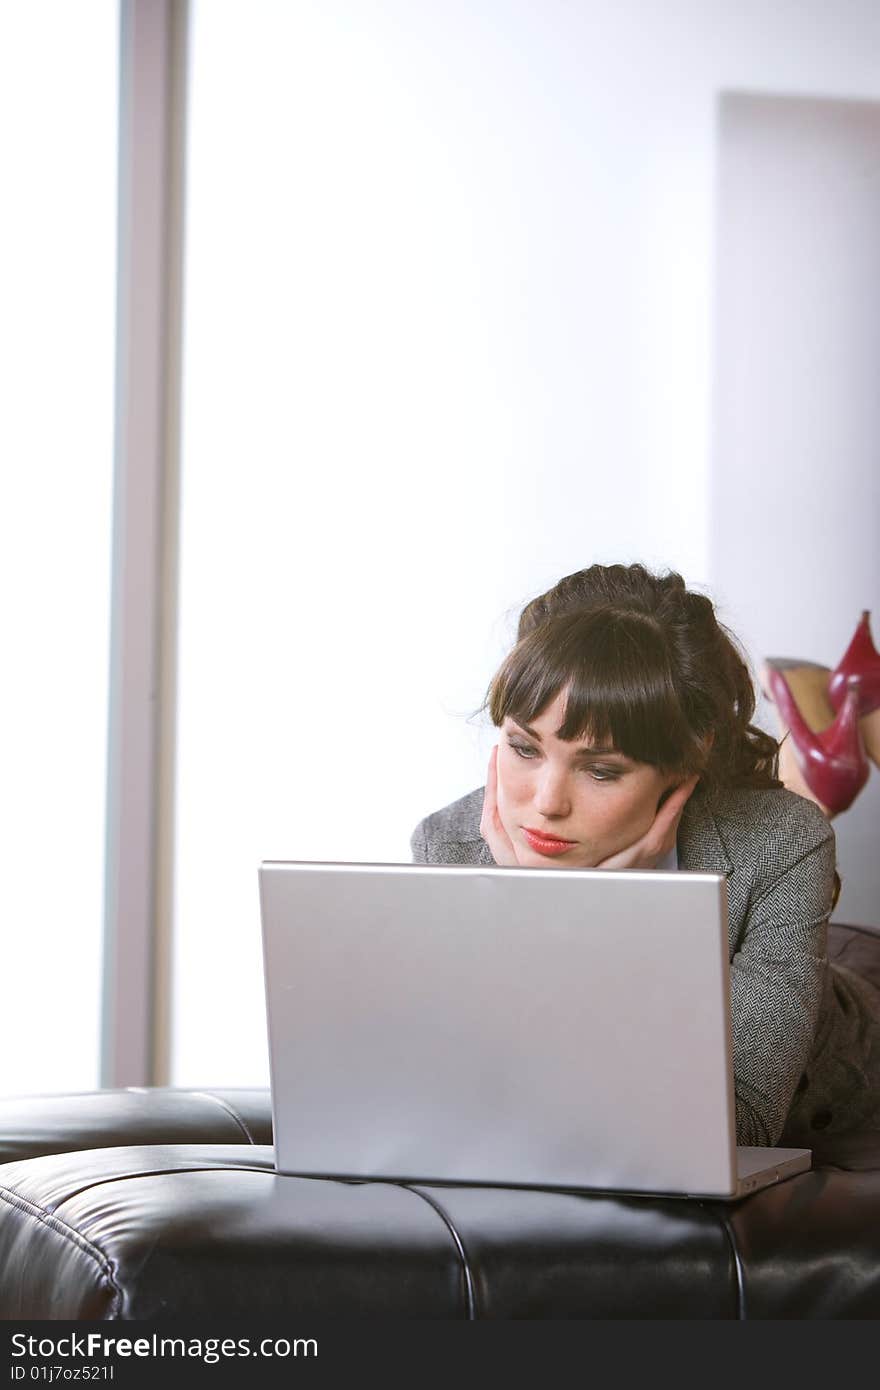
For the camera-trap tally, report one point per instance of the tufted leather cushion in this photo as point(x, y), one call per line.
point(153, 1232)
point(32, 1125)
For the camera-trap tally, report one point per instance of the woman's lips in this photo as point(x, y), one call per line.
point(546, 844)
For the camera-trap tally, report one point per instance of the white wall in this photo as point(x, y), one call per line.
point(795, 478)
point(448, 336)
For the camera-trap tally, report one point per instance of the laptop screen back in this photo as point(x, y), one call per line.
point(564, 1028)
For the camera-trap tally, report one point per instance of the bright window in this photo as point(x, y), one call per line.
point(58, 113)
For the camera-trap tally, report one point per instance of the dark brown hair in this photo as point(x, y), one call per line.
point(646, 667)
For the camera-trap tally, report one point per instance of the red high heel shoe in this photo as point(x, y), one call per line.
point(859, 670)
point(830, 764)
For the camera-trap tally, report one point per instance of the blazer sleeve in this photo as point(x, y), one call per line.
point(777, 975)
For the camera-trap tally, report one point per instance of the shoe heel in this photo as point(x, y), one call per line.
point(829, 752)
point(859, 670)
point(808, 683)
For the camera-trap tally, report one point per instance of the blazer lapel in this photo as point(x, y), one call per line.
point(701, 849)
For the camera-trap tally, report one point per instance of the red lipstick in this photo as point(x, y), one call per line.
point(546, 844)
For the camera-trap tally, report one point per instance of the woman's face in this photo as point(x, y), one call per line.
point(598, 801)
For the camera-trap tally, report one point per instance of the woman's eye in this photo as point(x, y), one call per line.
point(524, 750)
point(602, 774)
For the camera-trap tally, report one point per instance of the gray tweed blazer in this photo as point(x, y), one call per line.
point(806, 1034)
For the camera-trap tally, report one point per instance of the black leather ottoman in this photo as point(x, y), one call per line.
point(158, 1204)
point(153, 1231)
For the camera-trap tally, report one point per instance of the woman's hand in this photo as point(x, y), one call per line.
point(659, 839)
point(491, 829)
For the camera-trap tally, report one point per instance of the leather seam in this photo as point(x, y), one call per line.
point(469, 1290)
point(61, 1228)
point(739, 1271)
point(154, 1173)
point(206, 1095)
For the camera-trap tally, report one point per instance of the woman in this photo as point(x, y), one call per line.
point(626, 742)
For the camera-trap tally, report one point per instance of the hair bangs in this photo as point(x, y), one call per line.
point(647, 667)
point(614, 672)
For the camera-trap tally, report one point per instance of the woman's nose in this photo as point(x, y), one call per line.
point(551, 793)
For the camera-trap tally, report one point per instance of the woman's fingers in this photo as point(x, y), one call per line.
point(669, 815)
point(679, 798)
point(662, 835)
point(491, 829)
point(490, 796)
point(659, 839)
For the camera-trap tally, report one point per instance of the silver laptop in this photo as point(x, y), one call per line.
point(513, 1026)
